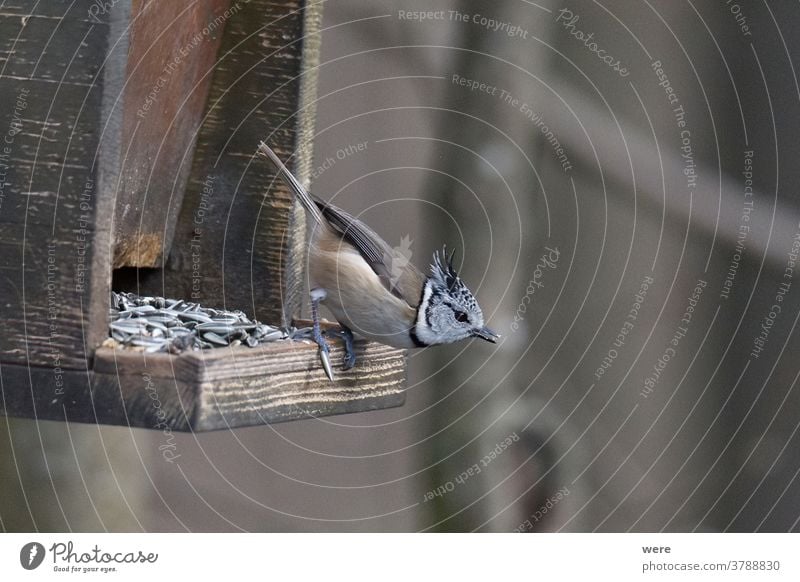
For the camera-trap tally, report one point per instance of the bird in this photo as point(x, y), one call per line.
point(372, 289)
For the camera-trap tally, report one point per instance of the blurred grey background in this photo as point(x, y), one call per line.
point(500, 130)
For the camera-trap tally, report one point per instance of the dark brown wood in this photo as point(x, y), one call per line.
point(78, 88)
point(208, 390)
point(42, 316)
point(240, 237)
point(59, 82)
point(86, 143)
point(173, 48)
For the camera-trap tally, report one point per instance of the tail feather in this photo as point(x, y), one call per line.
point(291, 182)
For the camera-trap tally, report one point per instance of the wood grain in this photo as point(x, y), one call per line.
point(58, 71)
point(240, 237)
point(209, 390)
point(173, 48)
point(92, 187)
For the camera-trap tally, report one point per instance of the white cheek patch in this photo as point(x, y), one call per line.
point(423, 331)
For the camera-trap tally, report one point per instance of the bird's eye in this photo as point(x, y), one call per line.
point(461, 316)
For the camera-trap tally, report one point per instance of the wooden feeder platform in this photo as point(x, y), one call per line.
point(132, 167)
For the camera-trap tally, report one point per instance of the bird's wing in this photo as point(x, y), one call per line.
point(393, 268)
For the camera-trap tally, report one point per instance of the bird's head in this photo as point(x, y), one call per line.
point(448, 311)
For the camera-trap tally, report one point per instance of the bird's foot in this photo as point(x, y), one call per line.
point(346, 336)
point(324, 356)
point(318, 295)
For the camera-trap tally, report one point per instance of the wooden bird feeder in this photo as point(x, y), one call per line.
point(129, 130)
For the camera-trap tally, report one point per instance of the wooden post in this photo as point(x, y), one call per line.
point(59, 167)
point(240, 237)
point(169, 67)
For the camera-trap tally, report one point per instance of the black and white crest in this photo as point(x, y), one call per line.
point(445, 277)
point(443, 271)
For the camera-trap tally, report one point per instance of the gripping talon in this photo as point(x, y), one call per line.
point(349, 349)
point(317, 295)
point(326, 362)
point(344, 334)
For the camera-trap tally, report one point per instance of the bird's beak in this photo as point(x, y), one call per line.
point(486, 334)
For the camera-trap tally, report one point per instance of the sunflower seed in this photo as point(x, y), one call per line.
point(160, 318)
point(214, 338)
point(127, 325)
point(216, 328)
point(155, 324)
point(194, 316)
point(180, 331)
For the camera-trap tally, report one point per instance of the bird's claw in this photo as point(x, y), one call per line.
point(349, 359)
point(349, 349)
point(326, 361)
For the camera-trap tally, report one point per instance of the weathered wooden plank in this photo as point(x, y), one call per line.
point(55, 393)
point(172, 52)
point(47, 147)
point(272, 383)
point(240, 237)
point(44, 287)
point(91, 10)
point(286, 381)
point(44, 43)
point(208, 390)
point(138, 393)
point(58, 178)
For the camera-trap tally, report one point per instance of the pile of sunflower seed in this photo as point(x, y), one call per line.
point(155, 324)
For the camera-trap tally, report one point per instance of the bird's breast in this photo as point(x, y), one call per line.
point(357, 297)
